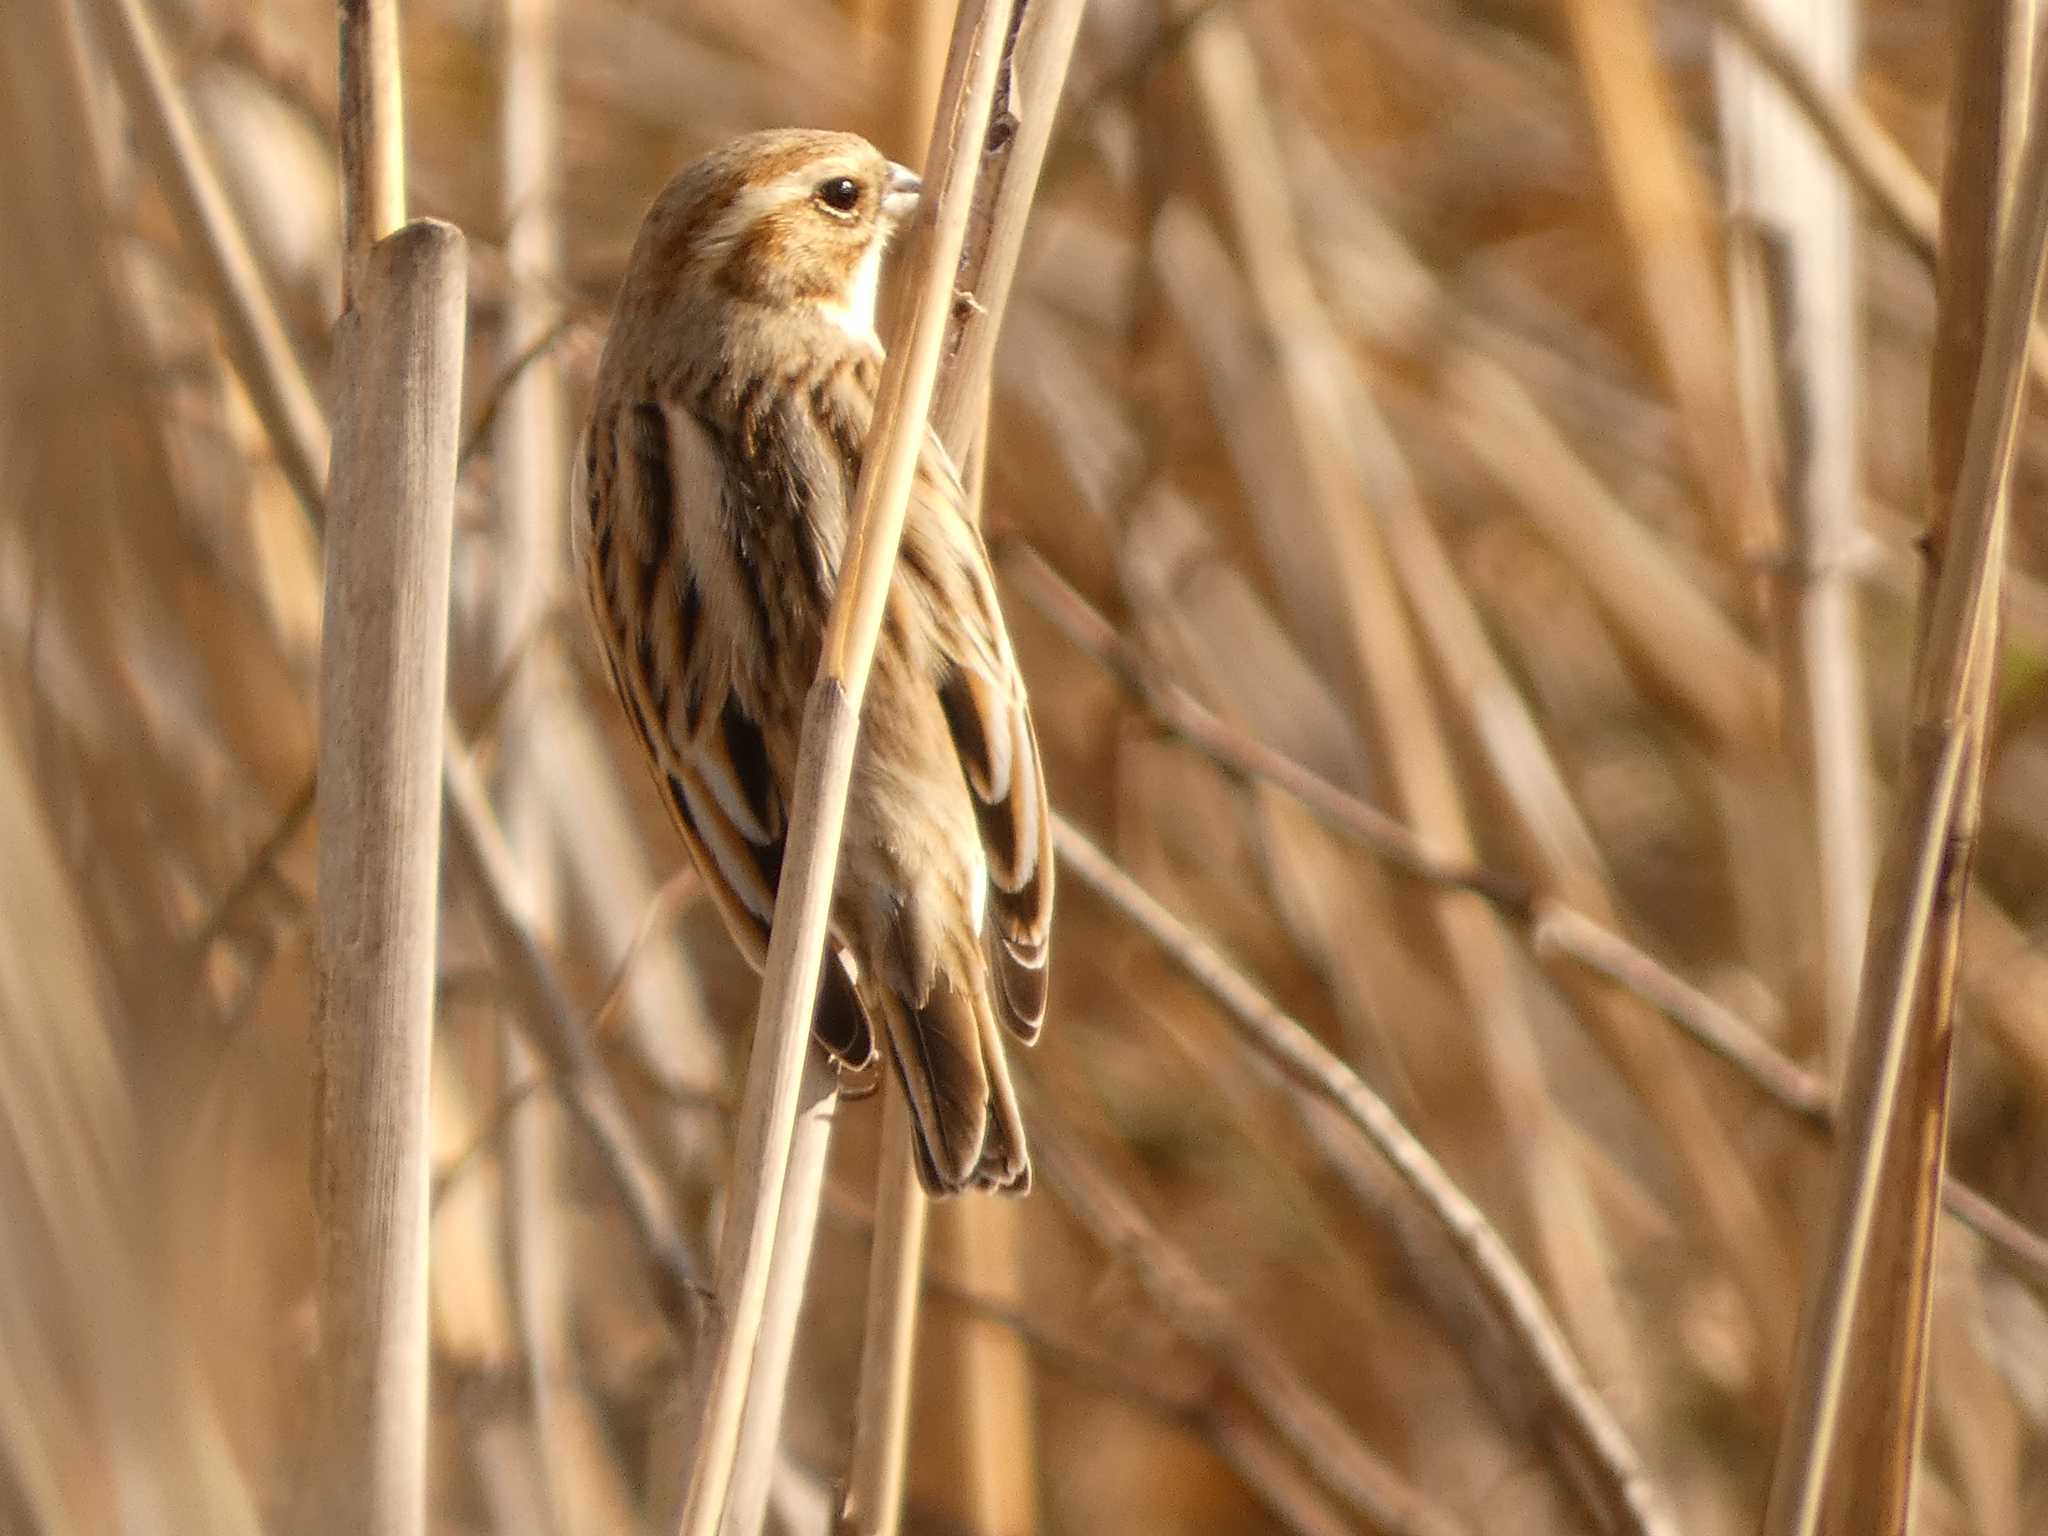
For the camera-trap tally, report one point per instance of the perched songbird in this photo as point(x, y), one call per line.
point(711, 502)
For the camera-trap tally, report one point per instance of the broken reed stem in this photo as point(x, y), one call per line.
point(1622, 1491)
point(818, 801)
point(1554, 928)
point(1858, 1476)
point(383, 683)
point(269, 371)
point(383, 676)
point(881, 1417)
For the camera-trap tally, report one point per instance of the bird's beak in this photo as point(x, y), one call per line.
point(900, 200)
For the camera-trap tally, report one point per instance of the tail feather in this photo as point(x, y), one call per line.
point(1005, 1163)
point(936, 1048)
point(839, 1020)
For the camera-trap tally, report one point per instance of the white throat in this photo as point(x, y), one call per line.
point(855, 313)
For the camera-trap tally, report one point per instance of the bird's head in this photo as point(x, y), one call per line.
point(792, 219)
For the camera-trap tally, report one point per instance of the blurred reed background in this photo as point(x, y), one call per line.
point(1510, 414)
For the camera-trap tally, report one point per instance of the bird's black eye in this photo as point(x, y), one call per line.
point(839, 193)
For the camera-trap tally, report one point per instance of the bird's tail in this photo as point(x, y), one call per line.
point(948, 1055)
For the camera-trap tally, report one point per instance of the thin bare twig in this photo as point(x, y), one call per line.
point(1625, 1494)
point(1554, 927)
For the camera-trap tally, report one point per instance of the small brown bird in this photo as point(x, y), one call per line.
point(710, 507)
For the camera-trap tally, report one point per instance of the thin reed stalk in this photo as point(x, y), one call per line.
point(1554, 928)
point(881, 1417)
point(824, 763)
point(1848, 1448)
point(1619, 1486)
point(1794, 300)
point(1312, 488)
point(761, 1426)
point(254, 334)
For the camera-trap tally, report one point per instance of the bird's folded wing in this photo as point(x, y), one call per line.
point(990, 718)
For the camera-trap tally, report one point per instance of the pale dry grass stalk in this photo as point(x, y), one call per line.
point(989, 1469)
point(1849, 1445)
point(1616, 1482)
point(581, 1491)
point(254, 335)
point(761, 1426)
point(1571, 870)
point(818, 801)
point(1312, 492)
point(1866, 152)
point(587, 800)
point(372, 118)
point(1882, 171)
point(1792, 275)
point(383, 678)
point(1555, 928)
point(1663, 207)
point(873, 1505)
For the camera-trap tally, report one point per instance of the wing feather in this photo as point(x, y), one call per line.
point(990, 719)
point(711, 759)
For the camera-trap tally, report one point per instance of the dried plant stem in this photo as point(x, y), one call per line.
point(1312, 495)
point(881, 1422)
point(480, 856)
point(384, 658)
point(529, 471)
point(1625, 1495)
point(372, 133)
point(1533, 785)
point(1012, 161)
point(1663, 207)
point(1871, 157)
point(254, 335)
point(298, 430)
point(1859, 143)
point(1846, 1458)
point(1793, 276)
point(824, 763)
point(1554, 927)
point(988, 1469)
point(761, 1426)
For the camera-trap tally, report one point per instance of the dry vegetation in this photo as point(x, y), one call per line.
point(1456, 468)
